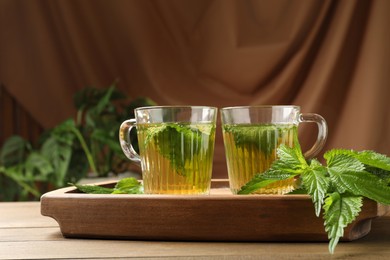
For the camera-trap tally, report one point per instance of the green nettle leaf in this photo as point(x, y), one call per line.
point(297, 191)
point(265, 137)
point(374, 159)
point(335, 152)
point(291, 158)
point(255, 184)
point(290, 164)
point(343, 163)
point(279, 172)
point(169, 136)
point(124, 186)
point(128, 186)
point(337, 188)
point(316, 182)
point(127, 183)
point(339, 211)
point(380, 173)
point(93, 189)
point(348, 174)
point(368, 158)
point(363, 184)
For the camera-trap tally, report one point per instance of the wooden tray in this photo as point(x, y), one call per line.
point(219, 216)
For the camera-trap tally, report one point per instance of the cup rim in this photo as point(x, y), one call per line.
point(260, 106)
point(175, 106)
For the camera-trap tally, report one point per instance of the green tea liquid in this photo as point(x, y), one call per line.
point(251, 149)
point(176, 158)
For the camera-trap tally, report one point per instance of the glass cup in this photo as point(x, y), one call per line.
point(176, 147)
point(251, 136)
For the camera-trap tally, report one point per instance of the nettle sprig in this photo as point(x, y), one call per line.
point(128, 185)
point(337, 188)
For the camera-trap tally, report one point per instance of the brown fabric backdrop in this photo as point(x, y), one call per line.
point(329, 57)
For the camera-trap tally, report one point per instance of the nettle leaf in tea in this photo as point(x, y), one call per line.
point(262, 137)
point(251, 149)
point(180, 143)
point(338, 188)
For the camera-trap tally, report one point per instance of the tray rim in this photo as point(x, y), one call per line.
point(66, 196)
point(68, 192)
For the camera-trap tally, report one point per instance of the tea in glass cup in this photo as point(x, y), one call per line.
point(176, 148)
point(252, 135)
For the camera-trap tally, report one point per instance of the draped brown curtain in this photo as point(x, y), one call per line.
point(329, 57)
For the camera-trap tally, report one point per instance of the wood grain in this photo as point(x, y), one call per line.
point(35, 237)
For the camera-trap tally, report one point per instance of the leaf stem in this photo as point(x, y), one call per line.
point(85, 148)
point(21, 183)
point(79, 117)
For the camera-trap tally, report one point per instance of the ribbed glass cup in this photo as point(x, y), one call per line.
point(252, 135)
point(176, 148)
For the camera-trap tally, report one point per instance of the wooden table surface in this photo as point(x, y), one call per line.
point(26, 234)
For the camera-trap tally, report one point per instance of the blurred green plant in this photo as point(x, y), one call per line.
point(68, 152)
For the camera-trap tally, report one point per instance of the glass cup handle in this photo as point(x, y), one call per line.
point(125, 141)
point(322, 133)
